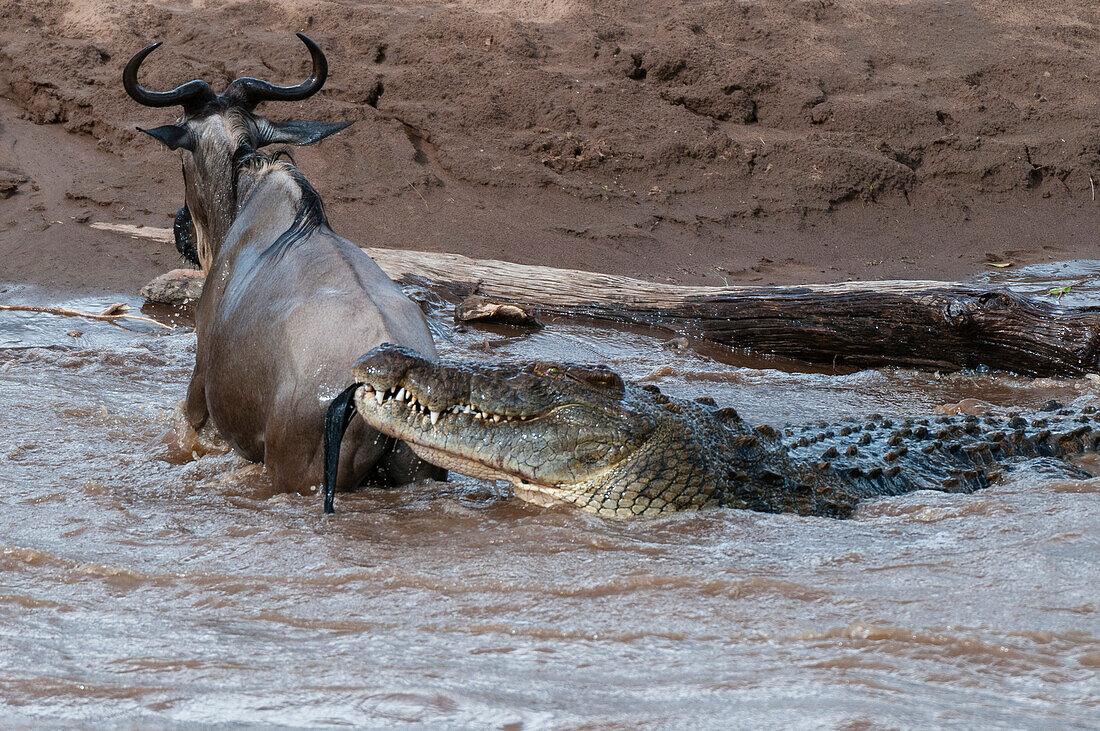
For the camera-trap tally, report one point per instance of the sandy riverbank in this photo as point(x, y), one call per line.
point(740, 142)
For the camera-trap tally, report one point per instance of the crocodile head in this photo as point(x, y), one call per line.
point(558, 432)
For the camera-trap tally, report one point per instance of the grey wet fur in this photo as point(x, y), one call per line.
point(287, 303)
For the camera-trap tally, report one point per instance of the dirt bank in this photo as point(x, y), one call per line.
point(741, 141)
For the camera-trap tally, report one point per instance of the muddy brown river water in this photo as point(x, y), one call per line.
point(143, 584)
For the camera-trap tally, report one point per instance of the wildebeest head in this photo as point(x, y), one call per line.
point(216, 133)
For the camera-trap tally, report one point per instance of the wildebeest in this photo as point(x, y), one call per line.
point(288, 304)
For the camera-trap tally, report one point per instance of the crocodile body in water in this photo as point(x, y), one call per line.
point(578, 434)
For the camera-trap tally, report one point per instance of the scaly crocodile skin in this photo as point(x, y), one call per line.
point(564, 433)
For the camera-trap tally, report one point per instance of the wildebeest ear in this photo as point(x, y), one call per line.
point(172, 135)
point(299, 131)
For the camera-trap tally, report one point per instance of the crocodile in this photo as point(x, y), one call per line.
point(582, 435)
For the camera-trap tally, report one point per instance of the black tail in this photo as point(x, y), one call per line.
point(337, 419)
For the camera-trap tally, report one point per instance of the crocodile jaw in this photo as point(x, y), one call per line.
point(559, 432)
point(479, 445)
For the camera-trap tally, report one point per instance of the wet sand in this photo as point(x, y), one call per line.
point(747, 142)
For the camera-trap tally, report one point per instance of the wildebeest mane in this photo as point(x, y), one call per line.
point(309, 214)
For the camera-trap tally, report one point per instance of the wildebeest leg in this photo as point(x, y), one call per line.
point(403, 466)
point(195, 405)
point(337, 418)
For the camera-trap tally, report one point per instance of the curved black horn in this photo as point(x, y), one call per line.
point(191, 95)
point(255, 91)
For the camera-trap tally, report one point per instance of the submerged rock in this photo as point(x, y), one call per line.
point(176, 287)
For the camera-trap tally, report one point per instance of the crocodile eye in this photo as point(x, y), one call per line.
point(599, 377)
point(590, 452)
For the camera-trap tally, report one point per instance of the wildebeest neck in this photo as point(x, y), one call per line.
point(211, 180)
point(224, 178)
point(277, 209)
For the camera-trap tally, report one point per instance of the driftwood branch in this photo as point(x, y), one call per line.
point(112, 313)
point(924, 324)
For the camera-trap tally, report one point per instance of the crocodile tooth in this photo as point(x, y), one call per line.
point(402, 394)
point(434, 417)
point(379, 396)
point(496, 418)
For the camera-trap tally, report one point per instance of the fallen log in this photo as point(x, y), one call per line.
point(921, 324)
